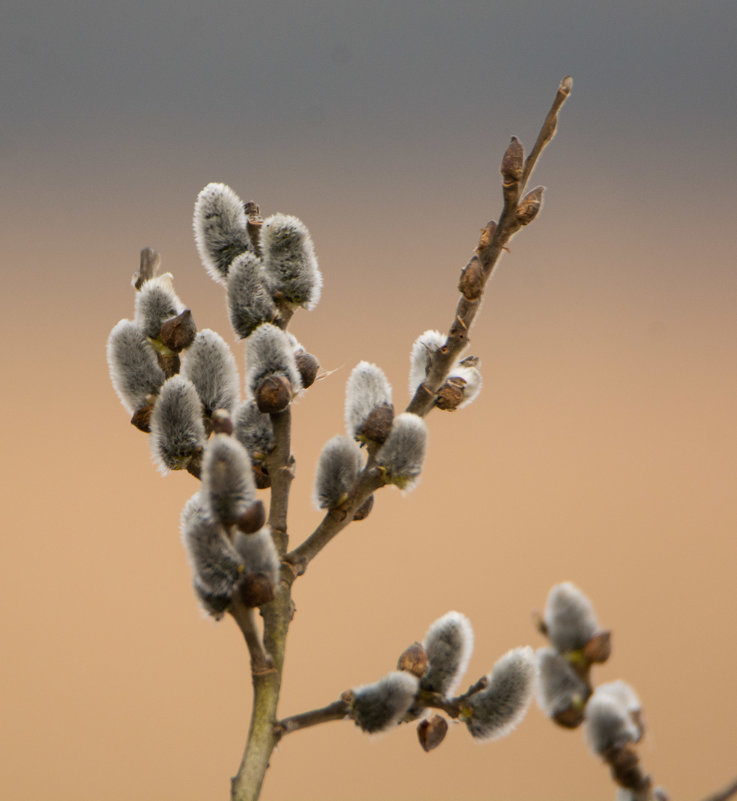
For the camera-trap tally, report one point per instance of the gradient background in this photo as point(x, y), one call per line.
point(602, 450)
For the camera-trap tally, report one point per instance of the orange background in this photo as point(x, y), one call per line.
point(602, 449)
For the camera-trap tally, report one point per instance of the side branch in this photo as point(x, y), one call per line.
point(335, 711)
point(493, 241)
point(725, 793)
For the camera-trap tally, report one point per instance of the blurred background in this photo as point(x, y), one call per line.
point(602, 449)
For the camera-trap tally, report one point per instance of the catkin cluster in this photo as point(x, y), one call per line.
point(428, 675)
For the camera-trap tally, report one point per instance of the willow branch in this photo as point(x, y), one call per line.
point(245, 617)
point(335, 520)
point(493, 241)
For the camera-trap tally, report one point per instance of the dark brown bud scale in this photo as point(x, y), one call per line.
point(513, 162)
point(179, 332)
point(364, 510)
point(256, 589)
point(308, 366)
point(274, 394)
point(222, 422)
point(378, 424)
point(142, 418)
point(431, 732)
point(570, 718)
point(253, 519)
point(487, 235)
point(599, 647)
point(530, 206)
point(471, 284)
point(194, 465)
point(414, 660)
point(261, 477)
point(450, 395)
point(169, 362)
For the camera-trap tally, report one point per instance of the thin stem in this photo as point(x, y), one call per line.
point(245, 617)
point(338, 710)
point(493, 241)
point(280, 465)
point(335, 521)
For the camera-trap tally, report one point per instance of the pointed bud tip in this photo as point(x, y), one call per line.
point(431, 732)
point(566, 85)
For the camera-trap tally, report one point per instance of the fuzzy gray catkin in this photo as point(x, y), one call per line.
point(608, 723)
point(228, 490)
point(337, 470)
point(216, 565)
point(134, 369)
point(289, 262)
point(379, 706)
point(177, 431)
point(559, 688)
point(254, 430)
point(250, 302)
point(569, 618)
point(402, 455)
point(156, 301)
point(209, 364)
point(220, 229)
point(448, 645)
point(366, 389)
point(269, 353)
point(496, 710)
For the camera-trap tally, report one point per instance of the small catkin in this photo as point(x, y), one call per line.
point(177, 431)
point(269, 353)
point(449, 645)
point(559, 688)
point(472, 382)
point(216, 566)
point(569, 618)
point(249, 299)
point(366, 389)
point(289, 261)
point(379, 706)
point(403, 453)
point(419, 359)
point(623, 693)
point(134, 369)
point(608, 723)
point(228, 490)
point(496, 710)
point(254, 430)
point(209, 364)
point(220, 229)
point(156, 301)
point(337, 469)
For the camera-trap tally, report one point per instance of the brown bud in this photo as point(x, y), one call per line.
point(150, 261)
point(450, 395)
point(222, 422)
point(432, 732)
point(625, 765)
point(565, 86)
point(142, 417)
point(471, 284)
point(256, 589)
point(178, 333)
point(539, 623)
point(487, 235)
point(530, 205)
point(378, 424)
point(513, 162)
point(261, 476)
point(253, 519)
point(599, 647)
point(364, 510)
point(570, 718)
point(414, 660)
point(308, 366)
point(274, 394)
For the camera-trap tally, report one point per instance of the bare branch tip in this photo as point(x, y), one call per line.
point(566, 85)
